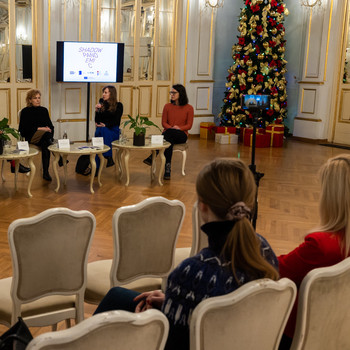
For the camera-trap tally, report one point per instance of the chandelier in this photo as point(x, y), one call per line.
point(214, 3)
point(311, 3)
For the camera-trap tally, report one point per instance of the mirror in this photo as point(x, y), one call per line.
point(4, 42)
point(23, 9)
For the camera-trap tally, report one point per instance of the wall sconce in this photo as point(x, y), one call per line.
point(311, 3)
point(214, 3)
point(21, 35)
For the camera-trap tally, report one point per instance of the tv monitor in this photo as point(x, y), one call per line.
point(89, 62)
point(255, 101)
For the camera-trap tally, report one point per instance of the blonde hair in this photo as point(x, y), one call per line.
point(31, 94)
point(334, 204)
point(221, 184)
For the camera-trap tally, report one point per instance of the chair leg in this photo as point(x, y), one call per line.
point(184, 156)
point(68, 323)
point(54, 327)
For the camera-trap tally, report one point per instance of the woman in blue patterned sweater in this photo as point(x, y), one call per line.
point(235, 254)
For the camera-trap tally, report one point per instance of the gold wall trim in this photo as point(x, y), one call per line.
point(67, 90)
point(203, 115)
point(8, 92)
point(308, 43)
point(328, 37)
point(80, 20)
point(202, 81)
point(302, 101)
point(344, 121)
point(92, 21)
point(36, 41)
point(18, 100)
point(186, 40)
point(308, 119)
point(311, 82)
point(61, 120)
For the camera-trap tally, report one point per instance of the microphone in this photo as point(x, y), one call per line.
point(100, 101)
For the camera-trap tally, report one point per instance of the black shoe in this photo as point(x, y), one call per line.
point(167, 171)
point(60, 162)
point(22, 169)
point(148, 160)
point(46, 176)
point(110, 162)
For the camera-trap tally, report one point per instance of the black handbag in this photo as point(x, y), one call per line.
point(83, 165)
point(17, 337)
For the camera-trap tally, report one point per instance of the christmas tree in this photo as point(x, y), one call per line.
point(258, 64)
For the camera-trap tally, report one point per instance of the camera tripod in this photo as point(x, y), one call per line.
point(257, 176)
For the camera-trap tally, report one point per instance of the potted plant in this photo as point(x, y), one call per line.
point(139, 124)
point(5, 131)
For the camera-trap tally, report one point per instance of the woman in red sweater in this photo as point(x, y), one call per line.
point(177, 119)
point(330, 242)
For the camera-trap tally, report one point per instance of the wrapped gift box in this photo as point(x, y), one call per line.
point(225, 130)
point(226, 139)
point(249, 131)
point(262, 140)
point(277, 132)
point(206, 130)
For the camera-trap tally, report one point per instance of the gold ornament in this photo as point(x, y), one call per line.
point(244, 17)
point(250, 79)
point(238, 48)
point(261, 56)
point(286, 12)
point(233, 77)
point(283, 33)
point(277, 74)
point(253, 25)
point(249, 62)
point(283, 71)
point(282, 98)
point(274, 31)
point(273, 13)
point(281, 49)
point(266, 44)
point(259, 1)
point(274, 56)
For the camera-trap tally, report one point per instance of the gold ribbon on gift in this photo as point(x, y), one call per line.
point(274, 132)
point(251, 137)
point(244, 130)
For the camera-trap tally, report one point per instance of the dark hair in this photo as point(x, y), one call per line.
point(183, 99)
point(112, 101)
point(219, 185)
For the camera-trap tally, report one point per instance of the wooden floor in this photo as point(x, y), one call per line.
point(288, 193)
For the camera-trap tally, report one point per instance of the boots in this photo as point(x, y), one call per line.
point(46, 176)
point(110, 162)
point(167, 171)
point(148, 160)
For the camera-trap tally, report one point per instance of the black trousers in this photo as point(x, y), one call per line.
point(45, 141)
point(174, 136)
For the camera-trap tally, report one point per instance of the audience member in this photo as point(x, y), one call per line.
point(329, 243)
point(235, 254)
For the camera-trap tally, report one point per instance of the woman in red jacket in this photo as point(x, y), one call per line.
point(330, 242)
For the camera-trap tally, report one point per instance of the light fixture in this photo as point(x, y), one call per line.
point(214, 3)
point(311, 3)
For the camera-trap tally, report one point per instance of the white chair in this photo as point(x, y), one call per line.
point(323, 317)
point(182, 147)
point(252, 317)
point(145, 237)
point(114, 330)
point(49, 257)
point(199, 238)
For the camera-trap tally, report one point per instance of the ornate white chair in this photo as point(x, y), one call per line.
point(252, 317)
point(145, 237)
point(114, 330)
point(49, 257)
point(182, 147)
point(323, 318)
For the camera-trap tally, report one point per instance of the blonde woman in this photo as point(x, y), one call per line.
point(235, 254)
point(329, 243)
point(36, 127)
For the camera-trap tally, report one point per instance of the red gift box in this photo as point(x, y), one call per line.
point(224, 129)
point(249, 131)
point(276, 132)
point(262, 139)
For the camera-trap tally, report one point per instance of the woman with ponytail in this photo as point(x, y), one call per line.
point(235, 254)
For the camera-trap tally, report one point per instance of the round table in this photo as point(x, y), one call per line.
point(123, 148)
point(79, 149)
point(13, 154)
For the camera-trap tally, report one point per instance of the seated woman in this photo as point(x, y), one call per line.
point(36, 127)
point(177, 119)
point(329, 243)
point(235, 255)
point(107, 118)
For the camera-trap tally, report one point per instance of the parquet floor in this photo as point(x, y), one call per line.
point(288, 194)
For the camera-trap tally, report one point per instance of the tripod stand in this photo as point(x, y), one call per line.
point(257, 176)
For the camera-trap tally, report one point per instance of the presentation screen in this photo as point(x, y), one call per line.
point(255, 101)
point(89, 62)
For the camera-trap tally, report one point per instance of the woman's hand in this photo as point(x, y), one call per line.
point(98, 107)
point(149, 300)
point(100, 125)
point(45, 128)
point(176, 127)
